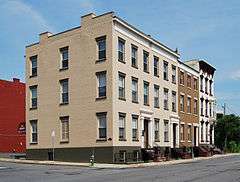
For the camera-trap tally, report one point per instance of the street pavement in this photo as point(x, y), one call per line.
point(223, 169)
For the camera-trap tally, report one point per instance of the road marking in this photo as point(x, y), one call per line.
point(2, 168)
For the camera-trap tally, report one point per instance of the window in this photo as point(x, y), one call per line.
point(64, 57)
point(206, 108)
point(121, 50)
point(182, 132)
point(33, 92)
point(182, 103)
point(156, 66)
point(181, 78)
point(165, 99)
point(174, 74)
point(189, 132)
point(195, 86)
point(210, 109)
point(121, 86)
point(65, 128)
point(210, 87)
point(156, 130)
point(166, 131)
point(156, 96)
point(102, 125)
point(64, 91)
point(122, 133)
point(165, 70)
point(101, 43)
point(189, 81)
point(201, 83)
point(134, 128)
point(201, 107)
point(174, 101)
point(145, 61)
point(33, 60)
point(34, 131)
point(134, 56)
point(134, 90)
point(206, 132)
point(189, 105)
point(202, 131)
point(195, 106)
point(146, 93)
point(101, 77)
point(206, 85)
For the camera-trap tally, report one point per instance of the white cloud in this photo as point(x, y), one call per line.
point(20, 8)
point(236, 75)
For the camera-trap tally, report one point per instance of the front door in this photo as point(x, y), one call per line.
point(146, 144)
point(195, 136)
point(174, 135)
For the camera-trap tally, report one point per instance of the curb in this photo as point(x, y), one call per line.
point(116, 166)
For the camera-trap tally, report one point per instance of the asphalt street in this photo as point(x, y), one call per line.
point(224, 169)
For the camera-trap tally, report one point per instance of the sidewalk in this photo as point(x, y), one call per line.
point(114, 166)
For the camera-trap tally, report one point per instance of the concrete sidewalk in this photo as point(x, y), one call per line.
point(116, 166)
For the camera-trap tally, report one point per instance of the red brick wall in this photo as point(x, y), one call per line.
point(12, 114)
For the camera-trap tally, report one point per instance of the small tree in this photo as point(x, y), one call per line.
point(227, 132)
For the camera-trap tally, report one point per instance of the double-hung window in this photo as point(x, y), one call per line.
point(195, 106)
point(156, 96)
point(189, 132)
point(102, 125)
point(64, 57)
point(202, 106)
point(134, 90)
point(34, 66)
point(201, 83)
point(182, 132)
point(156, 66)
point(121, 50)
point(145, 61)
point(181, 78)
point(33, 93)
point(64, 91)
point(189, 81)
point(134, 127)
point(101, 78)
point(165, 99)
point(206, 85)
point(189, 105)
point(182, 103)
point(195, 86)
point(101, 44)
point(165, 70)
point(64, 128)
point(122, 125)
point(34, 131)
point(146, 93)
point(174, 101)
point(166, 131)
point(134, 56)
point(174, 74)
point(156, 130)
point(121, 85)
point(206, 108)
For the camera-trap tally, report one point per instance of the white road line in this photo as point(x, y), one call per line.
point(2, 167)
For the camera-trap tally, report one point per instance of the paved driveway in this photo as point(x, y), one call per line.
point(225, 169)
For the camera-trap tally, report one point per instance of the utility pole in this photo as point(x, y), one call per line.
point(224, 109)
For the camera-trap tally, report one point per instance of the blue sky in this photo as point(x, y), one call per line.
point(203, 29)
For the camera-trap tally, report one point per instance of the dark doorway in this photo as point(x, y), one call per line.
point(195, 136)
point(174, 135)
point(146, 139)
point(50, 156)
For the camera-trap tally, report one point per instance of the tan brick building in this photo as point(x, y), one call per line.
point(104, 88)
point(188, 108)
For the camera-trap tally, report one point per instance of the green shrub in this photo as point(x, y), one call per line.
point(233, 147)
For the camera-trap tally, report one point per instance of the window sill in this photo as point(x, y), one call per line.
point(122, 61)
point(174, 83)
point(157, 107)
point(135, 67)
point(101, 98)
point(156, 140)
point(182, 141)
point(166, 109)
point(156, 76)
point(135, 102)
point(123, 99)
point(182, 112)
point(123, 140)
point(189, 141)
point(64, 103)
point(146, 104)
point(101, 140)
point(64, 141)
point(135, 140)
point(181, 84)
point(146, 72)
point(166, 141)
point(174, 110)
point(63, 69)
point(33, 143)
point(100, 60)
point(166, 79)
point(32, 76)
point(33, 108)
